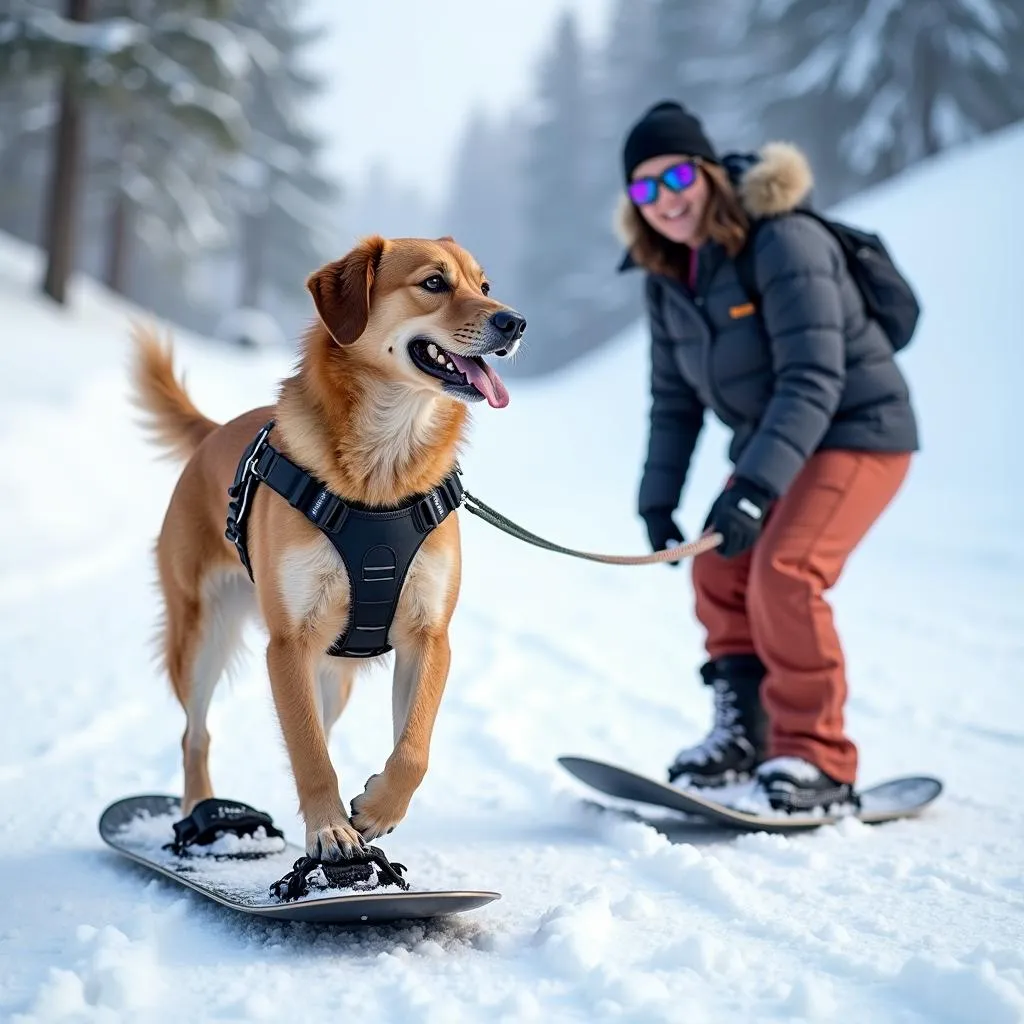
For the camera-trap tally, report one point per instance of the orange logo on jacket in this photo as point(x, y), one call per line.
point(738, 312)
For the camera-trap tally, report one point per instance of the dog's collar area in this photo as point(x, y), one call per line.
point(376, 545)
point(325, 509)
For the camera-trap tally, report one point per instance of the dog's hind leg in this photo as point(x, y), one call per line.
point(202, 634)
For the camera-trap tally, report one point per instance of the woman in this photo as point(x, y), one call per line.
point(823, 432)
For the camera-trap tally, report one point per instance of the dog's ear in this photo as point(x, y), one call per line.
point(341, 290)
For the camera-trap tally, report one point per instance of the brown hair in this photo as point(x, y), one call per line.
point(724, 221)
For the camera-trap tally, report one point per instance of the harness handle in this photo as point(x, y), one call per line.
point(496, 519)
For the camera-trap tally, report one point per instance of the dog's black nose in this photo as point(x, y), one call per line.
point(509, 323)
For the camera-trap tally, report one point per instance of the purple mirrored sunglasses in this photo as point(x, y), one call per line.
point(678, 178)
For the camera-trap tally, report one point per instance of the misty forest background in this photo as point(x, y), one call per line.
point(162, 146)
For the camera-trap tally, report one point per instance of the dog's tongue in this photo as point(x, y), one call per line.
point(484, 379)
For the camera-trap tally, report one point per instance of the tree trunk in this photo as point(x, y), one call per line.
point(62, 206)
point(252, 261)
point(115, 274)
point(929, 89)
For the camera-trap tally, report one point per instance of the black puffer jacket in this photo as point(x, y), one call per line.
point(808, 372)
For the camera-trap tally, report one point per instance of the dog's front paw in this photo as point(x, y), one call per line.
point(333, 840)
point(379, 808)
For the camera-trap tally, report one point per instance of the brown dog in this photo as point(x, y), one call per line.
point(376, 410)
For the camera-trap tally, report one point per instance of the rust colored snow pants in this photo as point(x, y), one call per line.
point(770, 600)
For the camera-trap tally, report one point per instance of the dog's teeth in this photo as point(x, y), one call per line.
point(441, 359)
point(449, 366)
point(432, 351)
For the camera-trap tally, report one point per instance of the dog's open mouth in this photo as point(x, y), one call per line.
point(469, 378)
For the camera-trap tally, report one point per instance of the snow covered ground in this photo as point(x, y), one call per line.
point(601, 918)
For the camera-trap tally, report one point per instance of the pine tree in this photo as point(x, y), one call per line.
point(147, 66)
point(628, 73)
point(279, 191)
point(874, 86)
point(482, 207)
point(624, 87)
point(948, 77)
point(704, 57)
point(27, 116)
point(562, 213)
point(795, 102)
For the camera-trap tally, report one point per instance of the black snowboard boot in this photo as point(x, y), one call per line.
point(796, 786)
point(736, 744)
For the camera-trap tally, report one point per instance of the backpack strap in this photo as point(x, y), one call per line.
point(888, 296)
point(745, 266)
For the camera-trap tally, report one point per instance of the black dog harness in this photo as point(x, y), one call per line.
point(376, 546)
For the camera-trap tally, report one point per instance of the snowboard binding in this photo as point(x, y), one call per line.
point(213, 818)
point(357, 871)
point(368, 869)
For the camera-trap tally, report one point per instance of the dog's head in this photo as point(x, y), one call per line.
point(419, 311)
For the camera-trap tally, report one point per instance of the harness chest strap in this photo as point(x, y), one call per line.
point(376, 546)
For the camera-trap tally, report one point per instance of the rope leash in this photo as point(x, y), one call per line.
point(496, 519)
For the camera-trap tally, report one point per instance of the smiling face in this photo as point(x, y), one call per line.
point(676, 215)
point(419, 310)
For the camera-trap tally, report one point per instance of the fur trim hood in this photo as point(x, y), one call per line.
point(774, 181)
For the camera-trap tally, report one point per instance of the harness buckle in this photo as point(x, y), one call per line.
point(432, 509)
point(429, 512)
point(300, 494)
point(454, 489)
point(258, 466)
point(327, 511)
point(240, 493)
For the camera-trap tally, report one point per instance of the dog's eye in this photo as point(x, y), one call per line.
point(435, 283)
point(485, 288)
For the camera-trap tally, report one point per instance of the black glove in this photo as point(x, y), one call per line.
point(661, 529)
point(738, 514)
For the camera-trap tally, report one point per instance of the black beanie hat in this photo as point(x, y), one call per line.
point(666, 128)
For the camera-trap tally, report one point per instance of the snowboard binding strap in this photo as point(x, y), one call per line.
point(341, 874)
point(213, 817)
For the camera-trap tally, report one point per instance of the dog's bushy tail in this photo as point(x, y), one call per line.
point(170, 417)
